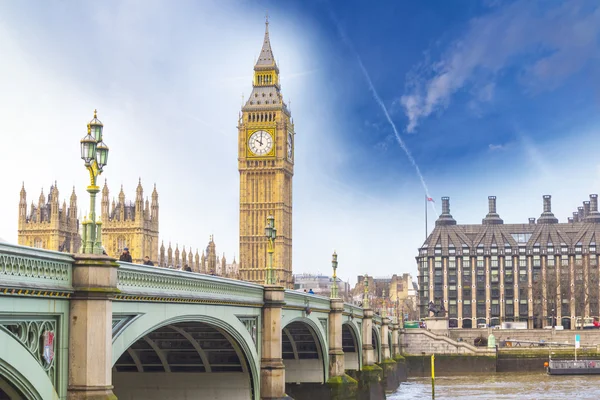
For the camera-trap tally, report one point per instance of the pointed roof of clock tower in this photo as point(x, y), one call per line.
point(266, 58)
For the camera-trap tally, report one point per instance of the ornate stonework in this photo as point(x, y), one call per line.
point(48, 225)
point(266, 165)
point(130, 224)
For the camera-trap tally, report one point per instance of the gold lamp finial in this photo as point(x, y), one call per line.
point(95, 112)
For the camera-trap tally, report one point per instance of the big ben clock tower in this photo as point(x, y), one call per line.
point(266, 165)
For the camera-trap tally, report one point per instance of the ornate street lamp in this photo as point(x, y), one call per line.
point(366, 295)
point(384, 304)
point(334, 286)
point(271, 235)
point(94, 153)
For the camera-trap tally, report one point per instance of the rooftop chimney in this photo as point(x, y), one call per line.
point(594, 215)
point(547, 217)
point(531, 221)
point(445, 205)
point(445, 218)
point(580, 213)
point(570, 220)
point(586, 209)
point(492, 217)
point(575, 216)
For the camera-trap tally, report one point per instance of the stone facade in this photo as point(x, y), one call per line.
point(130, 224)
point(49, 225)
point(496, 272)
point(266, 166)
point(400, 294)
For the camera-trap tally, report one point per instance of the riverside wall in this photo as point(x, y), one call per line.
point(455, 353)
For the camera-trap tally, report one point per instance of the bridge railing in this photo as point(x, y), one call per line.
point(353, 310)
point(43, 272)
point(301, 300)
point(161, 284)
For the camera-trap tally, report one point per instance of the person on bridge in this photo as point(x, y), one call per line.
point(125, 256)
point(311, 292)
point(147, 261)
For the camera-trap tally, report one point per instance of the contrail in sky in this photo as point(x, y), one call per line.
point(383, 107)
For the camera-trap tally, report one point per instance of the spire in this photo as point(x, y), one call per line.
point(73, 197)
point(23, 194)
point(266, 59)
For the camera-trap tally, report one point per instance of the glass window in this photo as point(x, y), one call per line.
point(550, 262)
point(494, 262)
point(508, 263)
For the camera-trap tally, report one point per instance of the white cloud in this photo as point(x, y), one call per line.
point(556, 42)
point(167, 80)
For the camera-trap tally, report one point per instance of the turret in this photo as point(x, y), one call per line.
point(177, 263)
point(105, 204)
point(170, 256)
point(155, 205)
point(122, 204)
point(22, 205)
point(73, 208)
point(40, 206)
point(161, 259)
point(147, 210)
point(139, 201)
point(183, 257)
point(191, 260)
point(198, 266)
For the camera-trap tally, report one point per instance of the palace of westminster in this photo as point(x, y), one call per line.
point(542, 272)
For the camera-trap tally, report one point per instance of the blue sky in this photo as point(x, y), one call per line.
point(490, 98)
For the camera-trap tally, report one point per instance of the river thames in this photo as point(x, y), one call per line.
point(501, 386)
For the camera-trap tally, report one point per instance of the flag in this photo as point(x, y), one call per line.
point(430, 199)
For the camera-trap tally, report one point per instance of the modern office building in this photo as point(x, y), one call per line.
point(542, 272)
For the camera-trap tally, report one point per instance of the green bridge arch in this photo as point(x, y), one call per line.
point(149, 317)
point(23, 371)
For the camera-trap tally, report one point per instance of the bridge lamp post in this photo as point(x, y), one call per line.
point(94, 153)
point(384, 305)
point(271, 234)
point(334, 286)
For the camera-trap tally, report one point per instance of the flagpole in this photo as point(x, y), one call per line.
point(426, 217)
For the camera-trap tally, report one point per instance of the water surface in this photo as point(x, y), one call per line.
point(502, 386)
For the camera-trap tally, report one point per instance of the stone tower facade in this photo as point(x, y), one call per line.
point(266, 166)
point(49, 225)
point(130, 224)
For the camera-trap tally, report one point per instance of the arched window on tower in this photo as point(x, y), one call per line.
point(121, 244)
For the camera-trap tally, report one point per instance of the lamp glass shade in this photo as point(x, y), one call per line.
point(268, 230)
point(101, 154)
point(274, 233)
point(96, 132)
point(88, 148)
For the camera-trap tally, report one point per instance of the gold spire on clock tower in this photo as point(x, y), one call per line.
point(266, 165)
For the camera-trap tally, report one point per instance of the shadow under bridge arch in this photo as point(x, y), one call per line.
point(352, 346)
point(187, 359)
point(304, 352)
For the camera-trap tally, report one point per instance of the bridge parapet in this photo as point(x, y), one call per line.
point(44, 272)
point(299, 301)
point(147, 283)
point(353, 310)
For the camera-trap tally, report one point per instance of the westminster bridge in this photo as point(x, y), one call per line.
point(87, 327)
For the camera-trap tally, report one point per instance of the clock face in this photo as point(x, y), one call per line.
point(290, 145)
point(260, 143)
